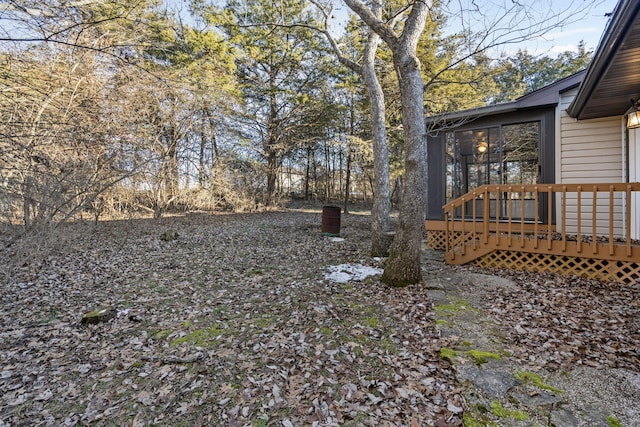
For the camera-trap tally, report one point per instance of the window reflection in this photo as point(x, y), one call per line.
point(505, 154)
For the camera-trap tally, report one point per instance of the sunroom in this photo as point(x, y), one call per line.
point(548, 182)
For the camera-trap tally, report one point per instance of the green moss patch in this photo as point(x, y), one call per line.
point(372, 322)
point(614, 422)
point(101, 314)
point(448, 354)
point(481, 357)
point(327, 331)
point(501, 412)
point(536, 380)
point(474, 419)
point(454, 307)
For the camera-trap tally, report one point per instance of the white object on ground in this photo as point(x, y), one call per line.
point(344, 273)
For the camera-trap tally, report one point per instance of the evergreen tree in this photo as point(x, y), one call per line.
point(524, 73)
point(280, 68)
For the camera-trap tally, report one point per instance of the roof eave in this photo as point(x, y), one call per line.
point(541, 98)
point(609, 44)
point(473, 113)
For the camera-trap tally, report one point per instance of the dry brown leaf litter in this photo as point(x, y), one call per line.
point(234, 323)
point(562, 322)
point(231, 324)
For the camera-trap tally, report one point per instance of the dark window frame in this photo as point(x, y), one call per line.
point(436, 151)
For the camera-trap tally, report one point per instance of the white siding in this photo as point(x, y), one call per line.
point(589, 152)
point(634, 176)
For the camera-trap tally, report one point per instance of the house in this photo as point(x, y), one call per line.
point(548, 182)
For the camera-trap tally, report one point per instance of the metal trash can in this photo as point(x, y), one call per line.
point(331, 220)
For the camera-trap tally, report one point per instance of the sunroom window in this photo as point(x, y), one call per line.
point(506, 154)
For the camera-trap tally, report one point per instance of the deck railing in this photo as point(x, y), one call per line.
point(591, 220)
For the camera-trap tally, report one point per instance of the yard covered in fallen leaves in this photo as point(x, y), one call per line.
point(233, 323)
point(248, 320)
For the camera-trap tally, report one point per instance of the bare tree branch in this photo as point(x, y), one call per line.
point(379, 26)
point(352, 65)
point(506, 28)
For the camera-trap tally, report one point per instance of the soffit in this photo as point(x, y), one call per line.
point(613, 77)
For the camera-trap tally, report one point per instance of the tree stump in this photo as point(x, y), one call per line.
point(98, 315)
point(169, 235)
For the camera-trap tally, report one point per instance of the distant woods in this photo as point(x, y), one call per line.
point(118, 107)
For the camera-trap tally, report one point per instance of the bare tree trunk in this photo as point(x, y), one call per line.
point(327, 179)
point(403, 265)
point(172, 162)
point(215, 155)
point(315, 179)
point(28, 203)
point(307, 174)
point(347, 182)
point(201, 158)
point(397, 189)
point(270, 149)
point(380, 222)
point(335, 189)
point(352, 131)
point(272, 172)
point(340, 170)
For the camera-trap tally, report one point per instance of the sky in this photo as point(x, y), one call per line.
point(587, 26)
point(588, 29)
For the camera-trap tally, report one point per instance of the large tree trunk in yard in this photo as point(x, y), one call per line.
point(381, 188)
point(403, 265)
point(271, 144)
point(173, 177)
point(380, 210)
point(380, 222)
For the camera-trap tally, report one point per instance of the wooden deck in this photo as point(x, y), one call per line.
point(499, 234)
